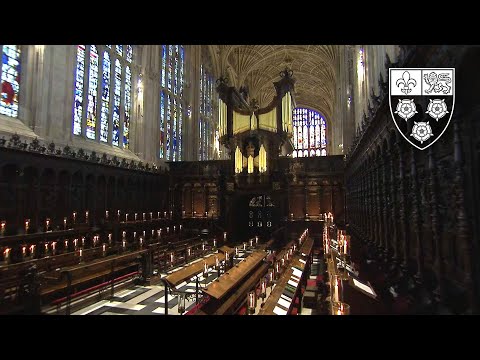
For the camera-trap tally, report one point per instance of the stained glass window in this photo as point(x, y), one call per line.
point(11, 70)
point(105, 97)
point(309, 133)
point(78, 101)
point(162, 123)
point(128, 106)
point(116, 102)
point(171, 101)
point(206, 125)
point(92, 93)
point(103, 111)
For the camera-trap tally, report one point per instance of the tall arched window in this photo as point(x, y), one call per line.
point(206, 121)
point(171, 102)
point(309, 133)
point(100, 69)
point(11, 69)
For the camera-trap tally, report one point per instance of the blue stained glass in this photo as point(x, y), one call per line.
point(164, 64)
point(92, 93)
point(129, 53)
point(162, 123)
point(116, 103)
point(119, 49)
point(105, 97)
point(78, 101)
point(128, 105)
point(309, 132)
point(10, 80)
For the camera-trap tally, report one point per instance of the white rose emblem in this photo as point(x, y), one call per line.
point(421, 131)
point(437, 109)
point(406, 109)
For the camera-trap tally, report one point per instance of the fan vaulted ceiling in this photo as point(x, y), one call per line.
point(258, 66)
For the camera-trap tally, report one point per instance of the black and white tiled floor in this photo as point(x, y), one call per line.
point(150, 300)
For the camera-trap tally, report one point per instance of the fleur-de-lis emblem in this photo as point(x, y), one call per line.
point(406, 81)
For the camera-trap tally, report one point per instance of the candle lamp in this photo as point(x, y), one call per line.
point(134, 235)
point(181, 303)
point(75, 243)
point(27, 225)
point(54, 247)
point(251, 301)
point(189, 252)
point(158, 215)
point(104, 249)
point(118, 214)
point(126, 217)
point(340, 308)
point(263, 289)
point(164, 214)
point(256, 240)
point(141, 241)
point(244, 246)
point(151, 215)
point(124, 244)
point(47, 224)
point(124, 234)
point(251, 242)
point(271, 276)
point(143, 216)
point(277, 269)
point(106, 215)
point(81, 255)
point(86, 216)
point(32, 250)
point(143, 233)
point(225, 236)
point(159, 232)
point(203, 247)
point(174, 229)
point(46, 248)
point(24, 251)
point(168, 229)
point(66, 245)
point(336, 288)
point(65, 223)
point(153, 232)
point(74, 217)
point(83, 241)
point(180, 227)
point(6, 255)
point(171, 259)
point(3, 225)
point(109, 238)
point(135, 216)
point(214, 242)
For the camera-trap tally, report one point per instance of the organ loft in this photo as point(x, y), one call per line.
point(238, 180)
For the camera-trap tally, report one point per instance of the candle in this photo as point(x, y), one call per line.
point(54, 246)
point(6, 254)
point(135, 216)
point(203, 247)
point(256, 240)
point(174, 227)
point(106, 215)
point(225, 236)
point(64, 223)
point(188, 251)
point(277, 267)
point(336, 297)
point(81, 253)
point(158, 215)
point(74, 216)
point(159, 232)
point(66, 244)
point(206, 213)
point(75, 243)
point(165, 214)
point(151, 215)
point(236, 250)
point(143, 216)
point(32, 249)
point(153, 232)
point(171, 257)
point(47, 224)
point(141, 241)
point(134, 234)
point(345, 246)
point(216, 262)
point(124, 243)
point(214, 242)
point(180, 227)
point(251, 300)
point(124, 233)
point(104, 248)
point(46, 247)
point(27, 223)
point(118, 214)
point(86, 216)
point(109, 238)
point(126, 217)
point(83, 240)
point(226, 256)
point(263, 287)
point(168, 229)
point(2, 227)
point(204, 267)
point(251, 242)
point(143, 233)
point(244, 246)
point(24, 250)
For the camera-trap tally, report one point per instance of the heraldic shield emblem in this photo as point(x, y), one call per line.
point(422, 102)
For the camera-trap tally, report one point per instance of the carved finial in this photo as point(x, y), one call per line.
point(287, 73)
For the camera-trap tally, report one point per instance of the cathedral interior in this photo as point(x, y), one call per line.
point(239, 180)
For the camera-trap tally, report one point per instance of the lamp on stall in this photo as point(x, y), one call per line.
point(263, 290)
point(143, 216)
point(6, 255)
point(3, 225)
point(224, 236)
point(74, 217)
point(27, 225)
point(104, 249)
point(271, 276)
point(340, 308)
point(251, 302)
point(64, 223)
point(47, 224)
point(214, 242)
point(256, 240)
point(106, 214)
point(86, 216)
point(135, 216)
point(336, 288)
